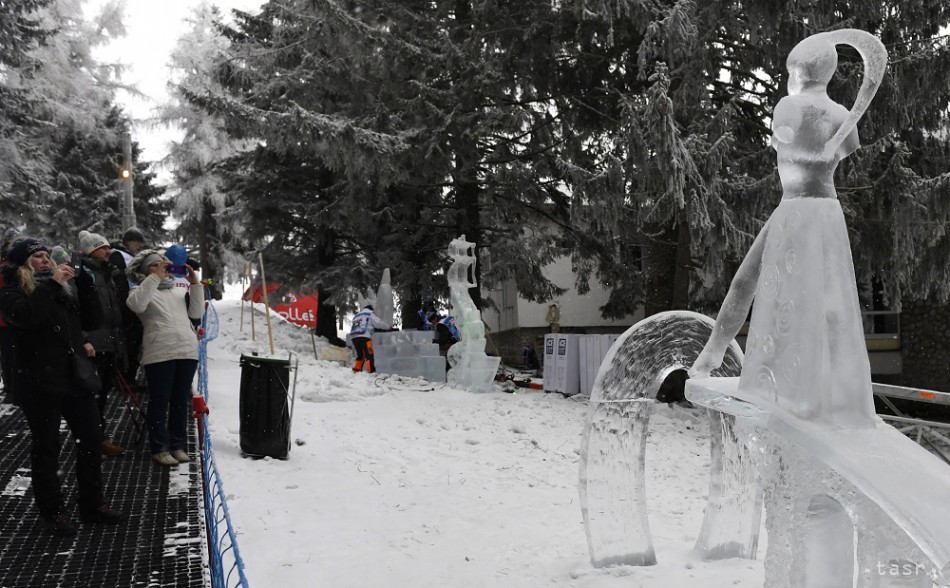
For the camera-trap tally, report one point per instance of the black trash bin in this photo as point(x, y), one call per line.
point(264, 406)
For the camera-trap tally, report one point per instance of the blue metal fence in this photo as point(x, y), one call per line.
point(227, 567)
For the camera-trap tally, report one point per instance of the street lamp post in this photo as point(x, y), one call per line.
point(126, 210)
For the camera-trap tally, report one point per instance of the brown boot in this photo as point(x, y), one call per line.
point(111, 449)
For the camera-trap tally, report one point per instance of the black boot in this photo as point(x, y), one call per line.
point(59, 524)
point(101, 514)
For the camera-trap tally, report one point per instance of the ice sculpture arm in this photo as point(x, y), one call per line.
point(874, 54)
point(735, 309)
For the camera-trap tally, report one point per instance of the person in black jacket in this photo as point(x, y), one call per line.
point(122, 252)
point(7, 347)
point(108, 341)
point(48, 312)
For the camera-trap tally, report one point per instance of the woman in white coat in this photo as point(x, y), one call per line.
point(169, 350)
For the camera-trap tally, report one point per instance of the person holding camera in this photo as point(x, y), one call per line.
point(48, 311)
point(169, 350)
point(108, 341)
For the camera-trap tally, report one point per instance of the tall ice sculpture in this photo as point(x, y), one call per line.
point(471, 367)
point(805, 352)
point(849, 500)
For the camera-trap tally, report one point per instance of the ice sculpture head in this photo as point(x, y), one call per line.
point(812, 62)
point(462, 253)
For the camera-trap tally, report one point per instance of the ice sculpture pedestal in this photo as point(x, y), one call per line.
point(409, 353)
point(839, 496)
point(474, 372)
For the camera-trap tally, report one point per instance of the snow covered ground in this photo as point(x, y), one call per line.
point(398, 482)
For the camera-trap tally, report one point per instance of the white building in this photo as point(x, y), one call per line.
point(516, 322)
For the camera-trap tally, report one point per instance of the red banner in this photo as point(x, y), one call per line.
point(256, 294)
point(298, 309)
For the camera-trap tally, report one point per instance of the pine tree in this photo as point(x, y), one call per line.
point(60, 127)
point(634, 135)
point(425, 140)
point(86, 187)
point(200, 202)
point(21, 32)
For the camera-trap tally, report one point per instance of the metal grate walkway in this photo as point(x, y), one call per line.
point(160, 544)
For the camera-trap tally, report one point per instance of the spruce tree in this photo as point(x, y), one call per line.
point(60, 130)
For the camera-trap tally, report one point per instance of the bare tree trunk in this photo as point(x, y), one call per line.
point(209, 258)
point(667, 266)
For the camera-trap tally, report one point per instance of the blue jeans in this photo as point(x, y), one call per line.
point(169, 403)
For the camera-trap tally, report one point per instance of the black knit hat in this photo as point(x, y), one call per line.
point(23, 249)
point(133, 234)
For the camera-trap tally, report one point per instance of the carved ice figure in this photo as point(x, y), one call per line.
point(384, 299)
point(848, 498)
point(805, 351)
point(471, 367)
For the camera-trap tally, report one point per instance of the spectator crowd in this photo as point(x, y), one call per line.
point(74, 327)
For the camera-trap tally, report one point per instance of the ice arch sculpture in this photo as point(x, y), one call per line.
point(612, 485)
point(471, 367)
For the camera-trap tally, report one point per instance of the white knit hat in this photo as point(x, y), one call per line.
point(89, 242)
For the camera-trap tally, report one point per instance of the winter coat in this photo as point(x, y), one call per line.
point(120, 256)
point(364, 323)
point(49, 326)
point(109, 337)
point(164, 314)
point(119, 259)
point(447, 332)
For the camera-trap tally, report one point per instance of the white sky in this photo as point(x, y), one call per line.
point(153, 30)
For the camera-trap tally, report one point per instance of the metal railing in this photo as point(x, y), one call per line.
point(224, 557)
point(934, 435)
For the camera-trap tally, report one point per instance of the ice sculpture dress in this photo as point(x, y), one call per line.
point(806, 351)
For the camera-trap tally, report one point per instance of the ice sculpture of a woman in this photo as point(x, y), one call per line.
point(805, 352)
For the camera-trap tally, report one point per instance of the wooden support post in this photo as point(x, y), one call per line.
point(250, 274)
point(243, 292)
point(270, 332)
point(313, 339)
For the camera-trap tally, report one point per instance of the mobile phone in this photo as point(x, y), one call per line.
point(75, 260)
point(178, 270)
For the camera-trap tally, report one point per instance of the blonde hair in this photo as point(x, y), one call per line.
point(24, 274)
